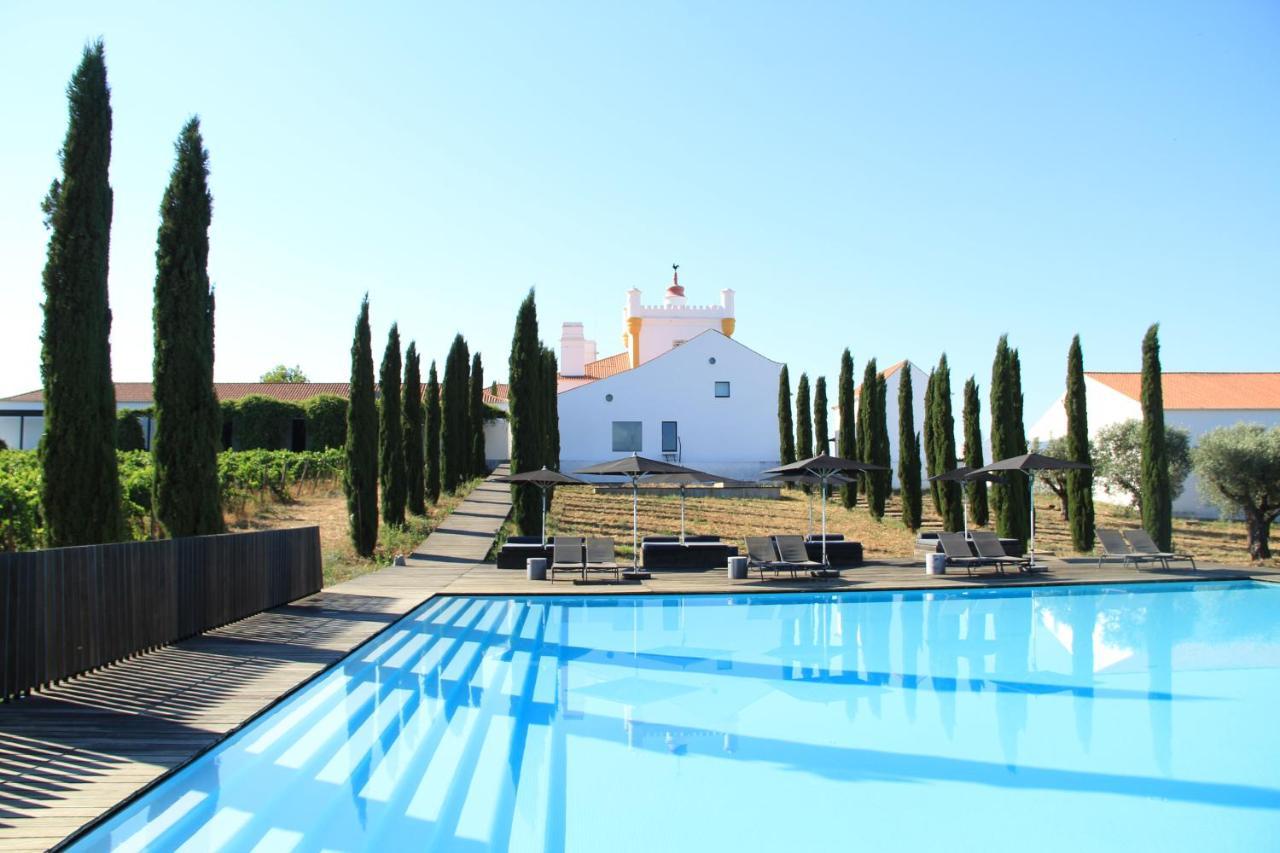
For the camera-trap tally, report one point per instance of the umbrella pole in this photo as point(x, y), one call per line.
point(635, 523)
point(810, 497)
point(544, 515)
point(824, 522)
point(1031, 476)
point(682, 515)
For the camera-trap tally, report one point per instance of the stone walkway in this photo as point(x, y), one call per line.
point(71, 753)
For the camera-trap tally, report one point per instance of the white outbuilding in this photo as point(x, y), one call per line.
point(1196, 402)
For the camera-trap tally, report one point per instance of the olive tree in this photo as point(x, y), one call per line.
point(1239, 470)
point(1117, 460)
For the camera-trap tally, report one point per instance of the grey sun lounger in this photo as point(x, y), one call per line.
point(1141, 542)
point(793, 552)
point(566, 556)
point(762, 554)
point(1116, 547)
point(600, 557)
point(988, 546)
point(956, 547)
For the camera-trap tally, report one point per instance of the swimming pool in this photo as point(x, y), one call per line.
point(1138, 717)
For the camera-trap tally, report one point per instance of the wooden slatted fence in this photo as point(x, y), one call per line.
point(65, 611)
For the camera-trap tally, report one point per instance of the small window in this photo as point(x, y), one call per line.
point(626, 437)
point(675, 344)
point(670, 437)
point(722, 389)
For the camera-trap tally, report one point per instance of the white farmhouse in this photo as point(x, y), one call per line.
point(682, 389)
point(1196, 402)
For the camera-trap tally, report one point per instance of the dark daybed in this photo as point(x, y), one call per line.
point(696, 552)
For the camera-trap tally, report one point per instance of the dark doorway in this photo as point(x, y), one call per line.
point(299, 439)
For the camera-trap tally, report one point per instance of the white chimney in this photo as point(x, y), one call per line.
point(573, 350)
point(726, 300)
point(589, 352)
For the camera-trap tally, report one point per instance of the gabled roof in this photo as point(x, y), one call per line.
point(572, 383)
point(1202, 390)
point(496, 394)
point(607, 366)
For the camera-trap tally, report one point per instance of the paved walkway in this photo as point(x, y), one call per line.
point(70, 753)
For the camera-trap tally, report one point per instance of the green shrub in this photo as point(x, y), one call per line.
point(262, 423)
point(326, 421)
point(129, 435)
point(21, 524)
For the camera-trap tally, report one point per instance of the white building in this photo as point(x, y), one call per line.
point(893, 381)
point(682, 389)
point(1196, 402)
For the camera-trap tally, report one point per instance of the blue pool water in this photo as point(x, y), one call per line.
point(1054, 718)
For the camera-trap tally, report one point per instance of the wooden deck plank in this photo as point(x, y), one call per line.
point(72, 752)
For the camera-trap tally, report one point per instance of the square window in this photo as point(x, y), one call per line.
point(626, 437)
point(722, 389)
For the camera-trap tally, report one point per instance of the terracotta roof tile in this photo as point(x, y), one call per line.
point(502, 395)
point(602, 368)
point(1203, 390)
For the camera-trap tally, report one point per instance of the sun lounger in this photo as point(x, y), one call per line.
point(763, 554)
point(956, 547)
point(600, 557)
point(1141, 542)
point(566, 556)
point(1116, 547)
point(792, 551)
point(988, 546)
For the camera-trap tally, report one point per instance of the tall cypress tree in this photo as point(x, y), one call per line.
point(804, 419)
point(846, 437)
point(930, 446)
point(975, 490)
point(391, 473)
point(1002, 440)
point(188, 422)
point(908, 453)
point(455, 442)
point(944, 435)
point(80, 487)
point(1079, 483)
point(821, 436)
point(1157, 501)
point(862, 435)
point(878, 446)
point(524, 393)
point(413, 426)
point(1019, 429)
point(360, 479)
point(476, 411)
point(551, 409)
point(786, 435)
point(432, 449)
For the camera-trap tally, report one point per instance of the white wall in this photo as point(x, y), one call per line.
point(1198, 422)
point(497, 444)
point(735, 436)
point(1106, 406)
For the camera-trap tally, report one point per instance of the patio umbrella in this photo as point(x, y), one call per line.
point(694, 478)
point(808, 480)
point(635, 468)
point(1029, 463)
point(543, 479)
point(962, 475)
point(826, 468)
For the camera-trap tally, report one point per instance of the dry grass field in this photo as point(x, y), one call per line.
point(327, 508)
point(584, 512)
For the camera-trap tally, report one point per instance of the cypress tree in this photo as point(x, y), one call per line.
point(975, 490)
point(413, 426)
point(188, 421)
point(863, 432)
point(786, 435)
point(1079, 483)
point(846, 436)
point(908, 453)
point(821, 437)
point(1001, 438)
point(1157, 502)
point(476, 412)
point(878, 446)
point(455, 444)
point(944, 436)
point(804, 421)
point(551, 409)
point(1023, 490)
point(360, 480)
point(432, 449)
point(391, 473)
point(80, 487)
point(523, 369)
point(930, 447)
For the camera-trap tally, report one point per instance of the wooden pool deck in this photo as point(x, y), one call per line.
point(71, 753)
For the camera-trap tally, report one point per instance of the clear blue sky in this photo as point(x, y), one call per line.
point(895, 178)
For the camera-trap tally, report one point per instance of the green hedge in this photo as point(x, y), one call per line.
point(326, 421)
point(129, 434)
point(261, 423)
